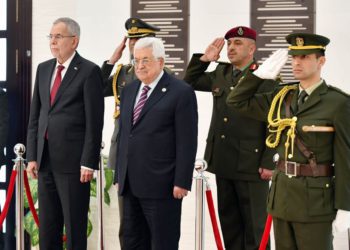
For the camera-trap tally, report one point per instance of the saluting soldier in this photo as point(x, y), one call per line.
point(309, 124)
point(235, 150)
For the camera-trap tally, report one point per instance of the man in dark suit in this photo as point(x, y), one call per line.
point(157, 145)
point(114, 84)
point(235, 150)
point(64, 137)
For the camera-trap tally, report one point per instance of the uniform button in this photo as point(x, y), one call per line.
point(327, 185)
point(222, 136)
point(231, 88)
point(225, 119)
point(256, 150)
point(130, 136)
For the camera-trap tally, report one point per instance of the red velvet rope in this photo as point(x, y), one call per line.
point(266, 234)
point(213, 220)
point(8, 196)
point(30, 199)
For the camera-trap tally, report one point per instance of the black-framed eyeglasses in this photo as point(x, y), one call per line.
point(58, 36)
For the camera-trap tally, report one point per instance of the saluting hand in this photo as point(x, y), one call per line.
point(212, 53)
point(179, 192)
point(118, 52)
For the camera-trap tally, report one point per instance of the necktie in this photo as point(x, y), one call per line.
point(235, 73)
point(56, 83)
point(301, 98)
point(140, 103)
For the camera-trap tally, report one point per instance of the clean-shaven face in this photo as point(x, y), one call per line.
point(62, 43)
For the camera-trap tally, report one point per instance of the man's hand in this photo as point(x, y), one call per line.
point(86, 175)
point(179, 193)
point(212, 53)
point(118, 52)
point(265, 174)
point(32, 169)
point(341, 222)
point(272, 66)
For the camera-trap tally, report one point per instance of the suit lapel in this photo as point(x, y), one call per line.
point(294, 103)
point(47, 81)
point(72, 71)
point(160, 90)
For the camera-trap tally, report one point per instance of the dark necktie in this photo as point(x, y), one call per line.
point(235, 73)
point(56, 83)
point(301, 98)
point(140, 103)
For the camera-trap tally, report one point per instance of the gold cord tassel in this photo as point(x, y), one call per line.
point(277, 125)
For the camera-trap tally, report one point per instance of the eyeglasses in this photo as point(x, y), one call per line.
point(144, 61)
point(58, 36)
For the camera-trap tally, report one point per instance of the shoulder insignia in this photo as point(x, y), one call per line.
point(339, 90)
point(288, 83)
point(253, 66)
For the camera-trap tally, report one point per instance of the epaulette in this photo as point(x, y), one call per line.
point(288, 83)
point(128, 67)
point(339, 90)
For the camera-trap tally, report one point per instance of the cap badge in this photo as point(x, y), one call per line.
point(133, 21)
point(299, 41)
point(240, 31)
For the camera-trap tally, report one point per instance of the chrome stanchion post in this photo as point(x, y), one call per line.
point(99, 185)
point(200, 166)
point(19, 150)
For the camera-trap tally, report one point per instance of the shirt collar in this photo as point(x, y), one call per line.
point(153, 84)
point(312, 88)
point(67, 62)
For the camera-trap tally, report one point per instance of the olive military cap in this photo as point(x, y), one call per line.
point(138, 28)
point(304, 43)
point(241, 31)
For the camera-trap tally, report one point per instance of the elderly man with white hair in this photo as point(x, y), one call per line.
point(157, 145)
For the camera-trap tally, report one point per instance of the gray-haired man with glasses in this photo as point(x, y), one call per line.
point(64, 138)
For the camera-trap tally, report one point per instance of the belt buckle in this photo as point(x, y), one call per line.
point(295, 165)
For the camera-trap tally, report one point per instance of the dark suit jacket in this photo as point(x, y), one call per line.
point(75, 120)
point(158, 152)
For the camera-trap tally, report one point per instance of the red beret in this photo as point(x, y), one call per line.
point(241, 31)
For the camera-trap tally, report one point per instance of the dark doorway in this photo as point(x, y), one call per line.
point(15, 92)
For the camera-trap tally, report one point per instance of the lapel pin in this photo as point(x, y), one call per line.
point(75, 68)
point(163, 89)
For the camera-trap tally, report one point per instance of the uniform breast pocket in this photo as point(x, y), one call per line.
point(320, 196)
point(315, 138)
point(250, 155)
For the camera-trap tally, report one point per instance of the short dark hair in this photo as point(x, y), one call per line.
point(320, 53)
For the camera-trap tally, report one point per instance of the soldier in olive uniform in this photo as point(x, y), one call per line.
point(125, 73)
point(235, 150)
point(309, 122)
